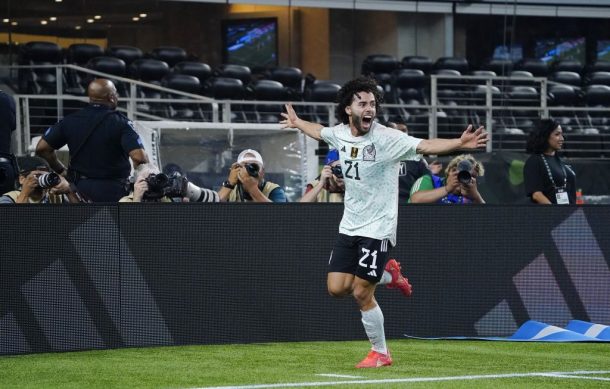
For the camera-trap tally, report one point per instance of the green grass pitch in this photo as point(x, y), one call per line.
point(417, 363)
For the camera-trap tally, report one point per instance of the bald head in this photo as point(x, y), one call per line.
point(102, 91)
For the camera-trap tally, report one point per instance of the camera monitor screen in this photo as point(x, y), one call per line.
point(250, 42)
point(603, 50)
point(552, 50)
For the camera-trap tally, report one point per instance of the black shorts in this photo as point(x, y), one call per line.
point(363, 257)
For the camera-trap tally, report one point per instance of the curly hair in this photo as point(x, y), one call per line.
point(345, 96)
point(478, 166)
point(538, 139)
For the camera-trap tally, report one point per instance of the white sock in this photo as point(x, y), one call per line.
point(373, 325)
point(386, 278)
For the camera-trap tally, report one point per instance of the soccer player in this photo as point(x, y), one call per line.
point(370, 154)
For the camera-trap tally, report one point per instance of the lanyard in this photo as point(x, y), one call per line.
point(548, 170)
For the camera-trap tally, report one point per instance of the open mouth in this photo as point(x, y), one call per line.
point(367, 120)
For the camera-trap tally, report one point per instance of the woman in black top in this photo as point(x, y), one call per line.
point(547, 179)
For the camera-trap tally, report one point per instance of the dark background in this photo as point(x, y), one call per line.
point(105, 276)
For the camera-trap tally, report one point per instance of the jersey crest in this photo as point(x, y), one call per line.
point(369, 152)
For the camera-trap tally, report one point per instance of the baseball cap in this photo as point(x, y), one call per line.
point(332, 156)
point(249, 155)
point(30, 163)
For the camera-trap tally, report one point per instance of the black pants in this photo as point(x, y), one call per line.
point(101, 190)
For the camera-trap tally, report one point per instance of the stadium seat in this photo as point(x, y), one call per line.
point(109, 65)
point(39, 80)
point(151, 71)
point(502, 67)
point(321, 92)
point(422, 63)
point(127, 53)
point(598, 78)
point(567, 66)
point(537, 67)
point(522, 76)
point(148, 69)
point(291, 78)
point(269, 90)
point(80, 54)
point(566, 77)
point(380, 66)
point(201, 70)
point(561, 95)
point(598, 66)
point(524, 96)
point(240, 72)
point(184, 83)
point(226, 88)
point(454, 63)
point(169, 54)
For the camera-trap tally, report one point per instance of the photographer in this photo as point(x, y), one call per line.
point(459, 186)
point(39, 185)
point(329, 187)
point(246, 181)
point(152, 186)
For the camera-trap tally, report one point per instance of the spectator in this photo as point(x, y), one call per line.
point(152, 186)
point(459, 186)
point(100, 140)
point(39, 186)
point(329, 186)
point(246, 181)
point(547, 178)
point(7, 122)
point(410, 170)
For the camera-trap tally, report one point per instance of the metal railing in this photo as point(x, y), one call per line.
point(507, 106)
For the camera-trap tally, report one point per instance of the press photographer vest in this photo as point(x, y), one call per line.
point(266, 190)
point(52, 199)
point(325, 196)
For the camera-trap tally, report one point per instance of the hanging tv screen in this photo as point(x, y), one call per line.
point(603, 50)
point(552, 50)
point(250, 42)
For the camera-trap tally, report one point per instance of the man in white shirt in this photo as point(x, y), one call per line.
point(370, 155)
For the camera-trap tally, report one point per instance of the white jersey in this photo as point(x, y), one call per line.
point(371, 164)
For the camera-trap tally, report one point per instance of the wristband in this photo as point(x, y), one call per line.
point(228, 185)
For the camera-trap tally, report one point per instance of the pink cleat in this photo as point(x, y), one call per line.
point(375, 359)
point(398, 280)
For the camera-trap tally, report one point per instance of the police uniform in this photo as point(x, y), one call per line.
point(101, 166)
point(7, 122)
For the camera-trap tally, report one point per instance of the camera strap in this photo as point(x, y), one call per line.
point(95, 124)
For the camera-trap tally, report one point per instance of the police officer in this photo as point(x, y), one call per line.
point(7, 122)
point(100, 141)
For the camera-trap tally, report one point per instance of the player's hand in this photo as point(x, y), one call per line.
point(62, 188)
point(474, 139)
point(290, 117)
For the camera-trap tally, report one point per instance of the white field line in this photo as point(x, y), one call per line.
point(340, 375)
point(551, 374)
point(580, 377)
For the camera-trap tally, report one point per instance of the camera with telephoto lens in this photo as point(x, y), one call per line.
point(337, 171)
point(160, 185)
point(252, 169)
point(48, 180)
point(464, 167)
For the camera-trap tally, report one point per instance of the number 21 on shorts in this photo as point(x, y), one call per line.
point(368, 254)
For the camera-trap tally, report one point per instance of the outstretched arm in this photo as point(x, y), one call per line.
point(291, 120)
point(469, 140)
